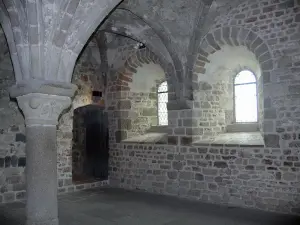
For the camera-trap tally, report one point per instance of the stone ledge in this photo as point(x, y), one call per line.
point(148, 138)
point(158, 129)
point(242, 127)
point(42, 87)
point(241, 139)
point(180, 104)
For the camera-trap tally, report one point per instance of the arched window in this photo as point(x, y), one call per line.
point(245, 101)
point(162, 101)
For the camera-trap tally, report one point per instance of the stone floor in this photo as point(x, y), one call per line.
point(120, 207)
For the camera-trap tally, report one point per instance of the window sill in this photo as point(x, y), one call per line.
point(240, 139)
point(158, 129)
point(148, 138)
point(242, 127)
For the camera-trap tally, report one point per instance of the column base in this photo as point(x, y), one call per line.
point(46, 222)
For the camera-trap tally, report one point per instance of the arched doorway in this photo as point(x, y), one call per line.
point(90, 144)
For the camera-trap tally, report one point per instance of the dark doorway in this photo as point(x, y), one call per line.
point(90, 144)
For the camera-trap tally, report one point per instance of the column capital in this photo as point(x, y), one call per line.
point(29, 86)
point(42, 109)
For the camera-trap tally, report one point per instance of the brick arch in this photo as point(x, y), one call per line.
point(234, 36)
point(143, 56)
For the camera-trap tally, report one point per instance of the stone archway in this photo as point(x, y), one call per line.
point(234, 36)
point(130, 100)
point(143, 56)
point(125, 22)
point(248, 51)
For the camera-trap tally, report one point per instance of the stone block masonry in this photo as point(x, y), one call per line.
point(132, 95)
point(256, 177)
point(13, 137)
point(12, 163)
point(275, 25)
point(262, 178)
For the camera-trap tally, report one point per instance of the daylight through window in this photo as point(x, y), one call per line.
point(245, 90)
point(162, 101)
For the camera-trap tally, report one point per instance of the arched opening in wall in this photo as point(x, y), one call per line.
point(90, 144)
point(162, 102)
point(90, 121)
point(229, 92)
point(245, 97)
point(141, 96)
point(149, 97)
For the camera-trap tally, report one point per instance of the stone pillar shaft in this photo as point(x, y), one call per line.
point(41, 175)
point(41, 113)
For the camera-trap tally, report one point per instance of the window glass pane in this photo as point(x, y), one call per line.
point(163, 87)
point(162, 99)
point(245, 77)
point(162, 107)
point(246, 103)
point(163, 119)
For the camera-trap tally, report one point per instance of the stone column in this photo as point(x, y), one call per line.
point(41, 113)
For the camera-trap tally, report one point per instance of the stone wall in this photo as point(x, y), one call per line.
point(214, 75)
point(258, 177)
point(132, 96)
point(12, 129)
point(12, 139)
point(276, 23)
point(119, 48)
point(175, 22)
point(262, 178)
point(87, 78)
point(214, 85)
point(3, 44)
point(267, 29)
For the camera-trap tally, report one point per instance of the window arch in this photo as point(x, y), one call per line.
point(162, 101)
point(245, 99)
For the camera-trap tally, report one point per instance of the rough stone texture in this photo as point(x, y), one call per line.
point(41, 112)
point(278, 61)
point(12, 141)
point(260, 35)
point(214, 89)
point(4, 48)
point(174, 27)
point(118, 50)
point(88, 77)
point(132, 95)
point(12, 128)
point(252, 25)
point(41, 172)
point(262, 178)
point(181, 13)
point(52, 35)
